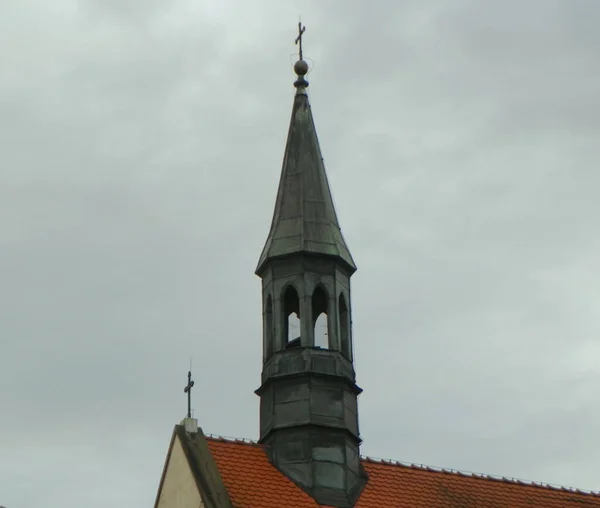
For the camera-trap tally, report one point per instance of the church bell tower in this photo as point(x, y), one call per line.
point(308, 395)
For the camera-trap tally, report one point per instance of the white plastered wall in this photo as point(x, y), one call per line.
point(179, 489)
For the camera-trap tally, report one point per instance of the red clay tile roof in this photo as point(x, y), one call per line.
point(252, 482)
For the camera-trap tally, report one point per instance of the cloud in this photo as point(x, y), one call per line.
point(141, 146)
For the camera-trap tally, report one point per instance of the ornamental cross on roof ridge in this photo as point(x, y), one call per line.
point(188, 390)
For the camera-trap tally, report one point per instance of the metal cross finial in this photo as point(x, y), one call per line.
point(298, 41)
point(188, 390)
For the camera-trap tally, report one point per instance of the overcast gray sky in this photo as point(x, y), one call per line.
point(140, 148)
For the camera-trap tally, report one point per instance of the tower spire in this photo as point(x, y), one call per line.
point(308, 392)
point(304, 219)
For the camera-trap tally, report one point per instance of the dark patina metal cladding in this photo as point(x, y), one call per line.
point(308, 395)
point(304, 219)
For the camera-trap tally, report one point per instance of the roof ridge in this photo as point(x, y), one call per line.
point(233, 440)
point(435, 469)
point(480, 476)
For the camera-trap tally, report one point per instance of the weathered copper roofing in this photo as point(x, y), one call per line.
point(304, 220)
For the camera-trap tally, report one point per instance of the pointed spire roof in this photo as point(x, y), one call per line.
point(304, 220)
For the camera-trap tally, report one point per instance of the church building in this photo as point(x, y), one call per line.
point(308, 450)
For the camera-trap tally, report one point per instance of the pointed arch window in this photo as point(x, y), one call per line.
point(345, 328)
point(291, 318)
point(320, 318)
point(269, 328)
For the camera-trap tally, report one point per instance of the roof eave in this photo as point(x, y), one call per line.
point(263, 263)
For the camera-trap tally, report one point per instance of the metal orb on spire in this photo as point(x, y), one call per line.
point(300, 67)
